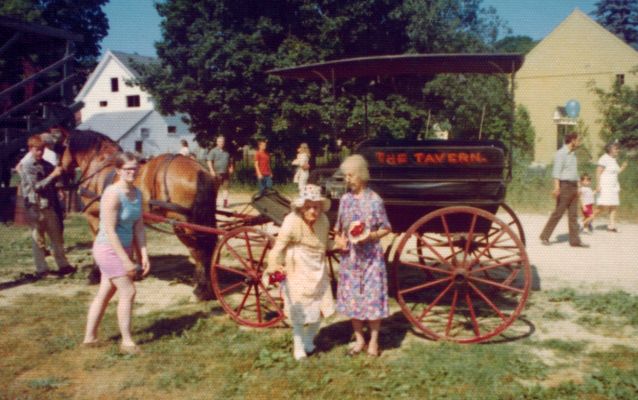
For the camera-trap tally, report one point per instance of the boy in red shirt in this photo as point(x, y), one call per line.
point(262, 166)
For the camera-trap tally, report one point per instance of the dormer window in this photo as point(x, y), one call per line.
point(133, 101)
point(115, 85)
point(171, 130)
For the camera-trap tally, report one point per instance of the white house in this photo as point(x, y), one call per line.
point(127, 113)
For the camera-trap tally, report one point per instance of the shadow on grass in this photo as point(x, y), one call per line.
point(80, 246)
point(169, 326)
point(22, 280)
point(391, 335)
point(172, 267)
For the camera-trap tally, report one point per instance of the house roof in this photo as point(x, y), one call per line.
point(126, 60)
point(129, 60)
point(114, 124)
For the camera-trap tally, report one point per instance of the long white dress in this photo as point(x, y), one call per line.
point(609, 185)
point(301, 175)
point(302, 251)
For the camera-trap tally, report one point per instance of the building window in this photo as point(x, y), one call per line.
point(620, 79)
point(145, 133)
point(171, 130)
point(115, 85)
point(133, 101)
point(139, 146)
point(104, 103)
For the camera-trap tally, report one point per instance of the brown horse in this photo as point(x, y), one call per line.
point(184, 190)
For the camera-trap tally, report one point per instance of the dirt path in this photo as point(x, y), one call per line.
point(609, 263)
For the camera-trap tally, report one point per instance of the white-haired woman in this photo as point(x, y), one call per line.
point(300, 253)
point(363, 286)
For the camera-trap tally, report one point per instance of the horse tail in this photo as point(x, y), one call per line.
point(203, 213)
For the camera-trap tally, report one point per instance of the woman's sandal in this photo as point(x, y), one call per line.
point(353, 350)
point(131, 350)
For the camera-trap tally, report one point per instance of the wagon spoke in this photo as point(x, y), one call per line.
point(429, 246)
point(424, 286)
point(447, 233)
point(232, 287)
point(470, 305)
point(435, 301)
point(249, 248)
point(233, 271)
point(426, 267)
point(470, 236)
point(488, 301)
point(243, 301)
point(450, 317)
point(496, 284)
point(511, 277)
point(498, 265)
point(236, 255)
point(488, 245)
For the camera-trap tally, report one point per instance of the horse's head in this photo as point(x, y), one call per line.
point(68, 163)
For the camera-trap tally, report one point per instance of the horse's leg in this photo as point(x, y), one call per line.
point(94, 222)
point(202, 256)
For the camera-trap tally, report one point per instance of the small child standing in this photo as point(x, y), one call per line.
point(587, 202)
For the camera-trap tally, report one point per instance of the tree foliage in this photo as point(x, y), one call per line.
point(83, 17)
point(515, 44)
point(619, 109)
point(620, 17)
point(214, 55)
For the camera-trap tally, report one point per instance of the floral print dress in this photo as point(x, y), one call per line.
point(363, 282)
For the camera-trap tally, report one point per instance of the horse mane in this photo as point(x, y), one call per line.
point(81, 141)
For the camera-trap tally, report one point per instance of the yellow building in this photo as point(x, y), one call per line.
point(563, 66)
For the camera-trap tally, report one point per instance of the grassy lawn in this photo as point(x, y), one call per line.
point(567, 345)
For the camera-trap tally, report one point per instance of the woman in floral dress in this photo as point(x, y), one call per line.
point(363, 286)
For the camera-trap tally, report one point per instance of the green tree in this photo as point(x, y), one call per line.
point(214, 53)
point(620, 17)
point(515, 44)
point(85, 17)
point(619, 109)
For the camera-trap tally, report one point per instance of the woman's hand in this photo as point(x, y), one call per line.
point(341, 242)
point(146, 265)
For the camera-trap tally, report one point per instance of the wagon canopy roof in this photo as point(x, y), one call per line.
point(405, 64)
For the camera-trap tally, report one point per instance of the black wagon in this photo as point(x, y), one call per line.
point(458, 265)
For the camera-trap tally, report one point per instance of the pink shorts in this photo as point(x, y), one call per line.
point(588, 210)
point(107, 260)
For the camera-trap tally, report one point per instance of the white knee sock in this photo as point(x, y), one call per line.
point(298, 342)
point(310, 331)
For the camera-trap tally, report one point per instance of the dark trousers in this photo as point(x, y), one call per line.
point(567, 200)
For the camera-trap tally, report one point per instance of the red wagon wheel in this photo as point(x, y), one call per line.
point(461, 274)
point(237, 267)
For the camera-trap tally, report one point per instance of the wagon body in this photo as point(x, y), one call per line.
point(415, 178)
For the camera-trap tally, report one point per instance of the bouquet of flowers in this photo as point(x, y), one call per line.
point(276, 277)
point(357, 232)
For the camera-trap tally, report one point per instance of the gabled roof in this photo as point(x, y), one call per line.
point(129, 61)
point(578, 45)
point(114, 124)
point(126, 60)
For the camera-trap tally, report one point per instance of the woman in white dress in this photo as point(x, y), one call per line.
point(608, 187)
point(303, 166)
point(300, 253)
